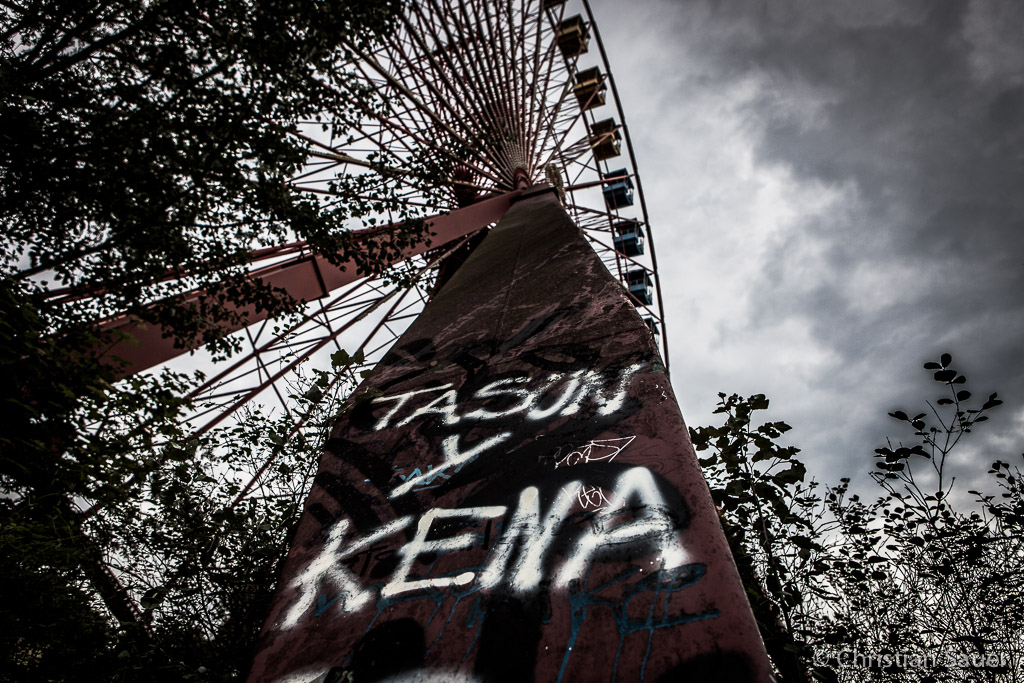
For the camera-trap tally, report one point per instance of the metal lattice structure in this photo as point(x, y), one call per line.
point(512, 495)
point(496, 96)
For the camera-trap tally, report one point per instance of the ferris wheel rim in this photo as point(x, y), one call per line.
point(418, 109)
point(553, 72)
point(639, 182)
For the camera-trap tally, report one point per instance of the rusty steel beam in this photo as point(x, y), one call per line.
point(304, 277)
point(513, 497)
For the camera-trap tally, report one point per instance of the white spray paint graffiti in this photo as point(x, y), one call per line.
point(580, 387)
point(592, 497)
point(400, 401)
point(419, 545)
point(444, 405)
point(327, 568)
point(595, 450)
point(534, 532)
point(657, 524)
point(454, 459)
point(530, 529)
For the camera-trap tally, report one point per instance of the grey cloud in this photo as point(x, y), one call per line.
point(914, 112)
point(935, 154)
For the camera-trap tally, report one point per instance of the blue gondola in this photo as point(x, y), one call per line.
point(639, 283)
point(618, 193)
point(628, 237)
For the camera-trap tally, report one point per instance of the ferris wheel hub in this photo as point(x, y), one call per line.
point(522, 178)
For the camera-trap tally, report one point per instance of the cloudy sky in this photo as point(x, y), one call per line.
point(837, 194)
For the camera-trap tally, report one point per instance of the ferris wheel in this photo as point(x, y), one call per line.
point(498, 97)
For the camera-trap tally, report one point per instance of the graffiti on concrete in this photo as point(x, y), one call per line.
point(557, 394)
point(594, 450)
point(514, 497)
point(547, 502)
point(549, 537)
point(592, 497)
point(528, 535)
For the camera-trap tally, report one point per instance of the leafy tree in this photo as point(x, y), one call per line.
point(923, 570)
point(145, 151)
point(767, 512)
point(921, 584)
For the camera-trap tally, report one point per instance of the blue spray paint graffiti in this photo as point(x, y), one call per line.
point(663, 582)
point(616, 595)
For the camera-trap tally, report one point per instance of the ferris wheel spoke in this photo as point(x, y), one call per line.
point(234, 371)
point(524, 77)
point(567, 126)
point(249, 395)
point(553, 69)
point(492, 85)
point(502, 62)
point(346, 373)
point(428, 81)
point(366, 197)
point(475, 71)
point(490, 101)
point(427, 64)
point(537, 89)
point(280, 341)
point(547, 120)
point(418, 106)
point(487, 92)
point(577, 150)
point(448, 74)
point(400, 133)
point(415, 91)
point(340, 157)
point(364, 347)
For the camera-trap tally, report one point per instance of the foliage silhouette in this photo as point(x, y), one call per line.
point(924, 583)
point(146, 152)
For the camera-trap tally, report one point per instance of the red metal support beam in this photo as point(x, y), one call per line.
point(304, 277)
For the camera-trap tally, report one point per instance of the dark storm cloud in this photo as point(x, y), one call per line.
point(922, 112)
point(924, 119)
point(912, 113)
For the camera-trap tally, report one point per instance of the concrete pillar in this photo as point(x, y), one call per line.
point(513, 496)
